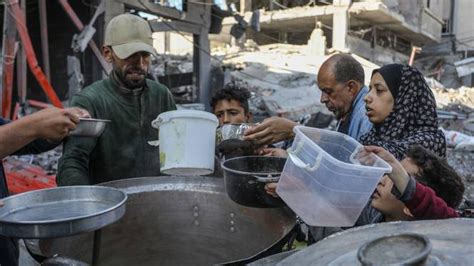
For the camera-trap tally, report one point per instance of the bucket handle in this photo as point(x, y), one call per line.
point(267, 179)
point(299, 163)
point(352, 157)
point(158, 122)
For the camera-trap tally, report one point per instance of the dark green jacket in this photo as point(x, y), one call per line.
point(122, 150)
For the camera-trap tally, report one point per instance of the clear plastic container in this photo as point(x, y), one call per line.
point(323, 182)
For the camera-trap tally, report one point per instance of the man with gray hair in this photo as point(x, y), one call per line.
point(126, 98)
point(341, 81)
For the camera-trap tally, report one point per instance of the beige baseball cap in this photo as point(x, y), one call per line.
point(129, 34)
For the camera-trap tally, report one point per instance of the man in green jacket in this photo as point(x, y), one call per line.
point(126, 98)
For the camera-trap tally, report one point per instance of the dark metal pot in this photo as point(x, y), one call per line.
point(245, 179)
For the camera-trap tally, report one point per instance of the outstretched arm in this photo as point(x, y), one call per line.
point(50, 123)
point(399, 176)
point(271, 130)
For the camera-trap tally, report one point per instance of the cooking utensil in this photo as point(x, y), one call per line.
point(89, 127)
point(399, 249)
point(233, 131)
point(245, 179)
point(61, 211)
point(177, 220)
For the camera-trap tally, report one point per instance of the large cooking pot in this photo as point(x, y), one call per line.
point(174, 220)
point(452, 242)
point(245, 179)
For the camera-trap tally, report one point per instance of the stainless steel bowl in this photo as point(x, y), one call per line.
point(233, 131)
point(89, 127)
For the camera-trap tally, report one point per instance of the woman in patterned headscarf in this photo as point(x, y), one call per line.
point(403, 110)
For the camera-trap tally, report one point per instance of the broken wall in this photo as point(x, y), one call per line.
point(378, 55)
point(411, 11)
point(463, 25)
point(431, 24)
point(178, 43)
point(419, 15)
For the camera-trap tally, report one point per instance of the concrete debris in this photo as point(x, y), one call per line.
point(46, 160)
point(465, 67)
point(460, 154)
point(458, 102)
point(462, 161)
point(462, 96)
point(282, 78)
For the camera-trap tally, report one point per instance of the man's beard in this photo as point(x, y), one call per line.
point(131, 83)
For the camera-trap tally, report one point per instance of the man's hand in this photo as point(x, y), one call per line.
point(271, 130)
point(82, 113)
point(398, 175)
point(270, 188)
point(1, 203)
point(276, 152)
point(54, 123)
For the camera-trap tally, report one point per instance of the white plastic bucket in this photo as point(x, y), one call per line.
point(187, 142)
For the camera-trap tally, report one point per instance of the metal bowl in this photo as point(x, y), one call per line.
point(89, 127)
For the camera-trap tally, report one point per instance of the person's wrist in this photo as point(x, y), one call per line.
point(291, 133)
point(30, 126)
point(400, 178)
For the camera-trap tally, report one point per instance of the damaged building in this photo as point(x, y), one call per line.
point(428, 33)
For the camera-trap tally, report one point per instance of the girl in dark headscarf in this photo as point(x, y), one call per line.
point(403, 110)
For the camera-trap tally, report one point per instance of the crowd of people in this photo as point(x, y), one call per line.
point(394, 117)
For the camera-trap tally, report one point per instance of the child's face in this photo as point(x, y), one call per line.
point(379, 101)
point(231, 112)
point(384, 201)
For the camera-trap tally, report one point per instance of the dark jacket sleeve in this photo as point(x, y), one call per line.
point(424, 204)
point(37, 146)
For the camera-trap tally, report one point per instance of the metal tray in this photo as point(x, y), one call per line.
point(62, 211)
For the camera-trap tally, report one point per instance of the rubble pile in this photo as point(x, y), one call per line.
point(281, 77)
point(175, 64)
point(463, 162)
point(459, 102)
point(46, 160)
point(462, 97)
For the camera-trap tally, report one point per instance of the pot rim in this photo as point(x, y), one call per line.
point(251, 173)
